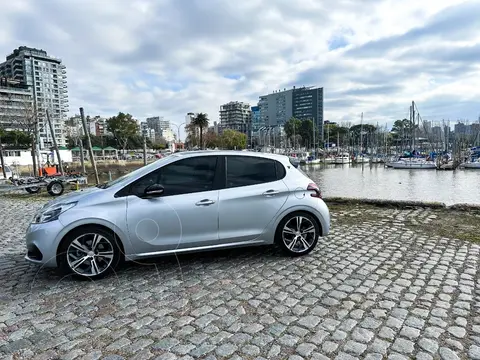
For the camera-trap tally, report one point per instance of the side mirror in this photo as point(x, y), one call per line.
point(154, 190)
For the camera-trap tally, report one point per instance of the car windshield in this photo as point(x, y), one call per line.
point(133, 173)
point(7, 169)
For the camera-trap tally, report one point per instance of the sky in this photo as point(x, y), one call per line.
point(170, 57)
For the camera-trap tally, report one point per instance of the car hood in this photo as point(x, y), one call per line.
point(73, 196)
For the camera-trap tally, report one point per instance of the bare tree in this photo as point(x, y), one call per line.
point(22, 115)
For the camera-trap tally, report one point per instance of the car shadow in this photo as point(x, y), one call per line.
point(19, 276)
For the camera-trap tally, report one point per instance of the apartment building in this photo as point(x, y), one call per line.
point(16, 107)
point(47, 80)
point(304, 103)
point(237, 116)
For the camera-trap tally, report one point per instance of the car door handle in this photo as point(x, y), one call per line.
point(205, 202)
point(271, 193)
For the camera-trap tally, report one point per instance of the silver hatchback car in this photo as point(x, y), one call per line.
point(188, 201)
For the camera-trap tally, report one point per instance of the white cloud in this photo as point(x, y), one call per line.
point(170, 57)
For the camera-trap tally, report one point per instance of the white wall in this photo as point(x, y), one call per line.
point(24, 157)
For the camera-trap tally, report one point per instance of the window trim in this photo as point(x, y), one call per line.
point(217, 180)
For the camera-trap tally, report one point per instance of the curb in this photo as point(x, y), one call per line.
point(402, 204)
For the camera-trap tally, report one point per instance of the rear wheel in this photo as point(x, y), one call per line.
point(33, 190)
point(55, 188)
point(297, 234)
point(89, 252)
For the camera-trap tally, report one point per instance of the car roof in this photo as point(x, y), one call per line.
point(185, 154)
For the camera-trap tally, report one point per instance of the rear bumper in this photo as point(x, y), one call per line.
point(41, 243)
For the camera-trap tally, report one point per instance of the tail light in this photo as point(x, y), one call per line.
point(316, 190)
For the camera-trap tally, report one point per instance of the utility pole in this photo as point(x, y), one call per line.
point(54, 140)
point(89, 145)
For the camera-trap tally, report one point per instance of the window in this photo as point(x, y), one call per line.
point(181, 177)
point(249, 170)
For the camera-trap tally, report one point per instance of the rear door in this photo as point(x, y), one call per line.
point(254, 194)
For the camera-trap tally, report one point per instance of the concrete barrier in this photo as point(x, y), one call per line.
point(402, 204)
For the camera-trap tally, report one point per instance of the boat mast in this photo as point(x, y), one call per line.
point(314, 147)
point(412, 123)
point(361, 134)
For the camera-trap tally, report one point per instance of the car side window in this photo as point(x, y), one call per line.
point(249, 170)
point(185, 176)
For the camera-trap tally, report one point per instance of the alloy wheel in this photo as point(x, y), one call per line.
point(90, 254)
point(299, 234)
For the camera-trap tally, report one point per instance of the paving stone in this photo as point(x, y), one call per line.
point(403, 346)
point(447, 354)
point(355, 348)
point(366, 293)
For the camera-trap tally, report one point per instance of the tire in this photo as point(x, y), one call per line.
point(33, 190)
point(55, 188)
point(289, 241)
point(73, 249)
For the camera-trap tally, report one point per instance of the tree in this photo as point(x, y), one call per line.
point(191, 139)
point(24, 117)
point(211, 140)
point(201, 122)
point(306, 132)
point(123, 127)
point(233, 140)
point(292, 129)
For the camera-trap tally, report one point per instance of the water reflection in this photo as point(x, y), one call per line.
point(377, 182)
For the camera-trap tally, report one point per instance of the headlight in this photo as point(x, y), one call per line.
point(51, 213)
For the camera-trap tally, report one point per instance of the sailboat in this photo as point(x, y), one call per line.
point(361, 157)
point(413, 160)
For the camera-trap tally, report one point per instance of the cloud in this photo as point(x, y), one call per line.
point(170, 57)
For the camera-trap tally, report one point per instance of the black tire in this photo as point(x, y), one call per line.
point(55, 188)
point(309, 224)
point(67, 253)
point(33, 190)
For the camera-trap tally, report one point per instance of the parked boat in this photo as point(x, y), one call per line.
point(472, 164)
point(413, 163)
point(362, 159)
point(343, 158)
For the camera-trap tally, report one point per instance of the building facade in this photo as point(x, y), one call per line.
point(304, 103)
point(236, 115)
point(16, 106)
point(46, 77)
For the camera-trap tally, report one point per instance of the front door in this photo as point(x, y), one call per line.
point(185, 216)
point(253, 196)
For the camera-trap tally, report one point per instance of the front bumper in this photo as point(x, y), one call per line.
point(42, 243)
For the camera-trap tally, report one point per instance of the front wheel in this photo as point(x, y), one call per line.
point(90, 252)
point(55, 188)
point(297, 234)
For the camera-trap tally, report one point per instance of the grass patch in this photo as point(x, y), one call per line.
point(447, 223)
point(451, 224)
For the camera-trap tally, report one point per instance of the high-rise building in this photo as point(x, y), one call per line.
point(236, 116)
point(15, 103)
point(256, 119)
point(46, 77)
point(304, 103)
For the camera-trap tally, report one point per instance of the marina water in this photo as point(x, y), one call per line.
point(374, 181)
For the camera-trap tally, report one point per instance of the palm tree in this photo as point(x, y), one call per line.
point(200, 121)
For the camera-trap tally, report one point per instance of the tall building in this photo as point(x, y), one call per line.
point(304, 103)
point(236, 116)
point(256, 119)
point(15, 103)
point(158, 123)
point(46, 77)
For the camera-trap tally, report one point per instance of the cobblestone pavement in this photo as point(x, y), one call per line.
point(371, 290)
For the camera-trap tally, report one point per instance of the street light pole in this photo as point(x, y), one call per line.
point(178, 129)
